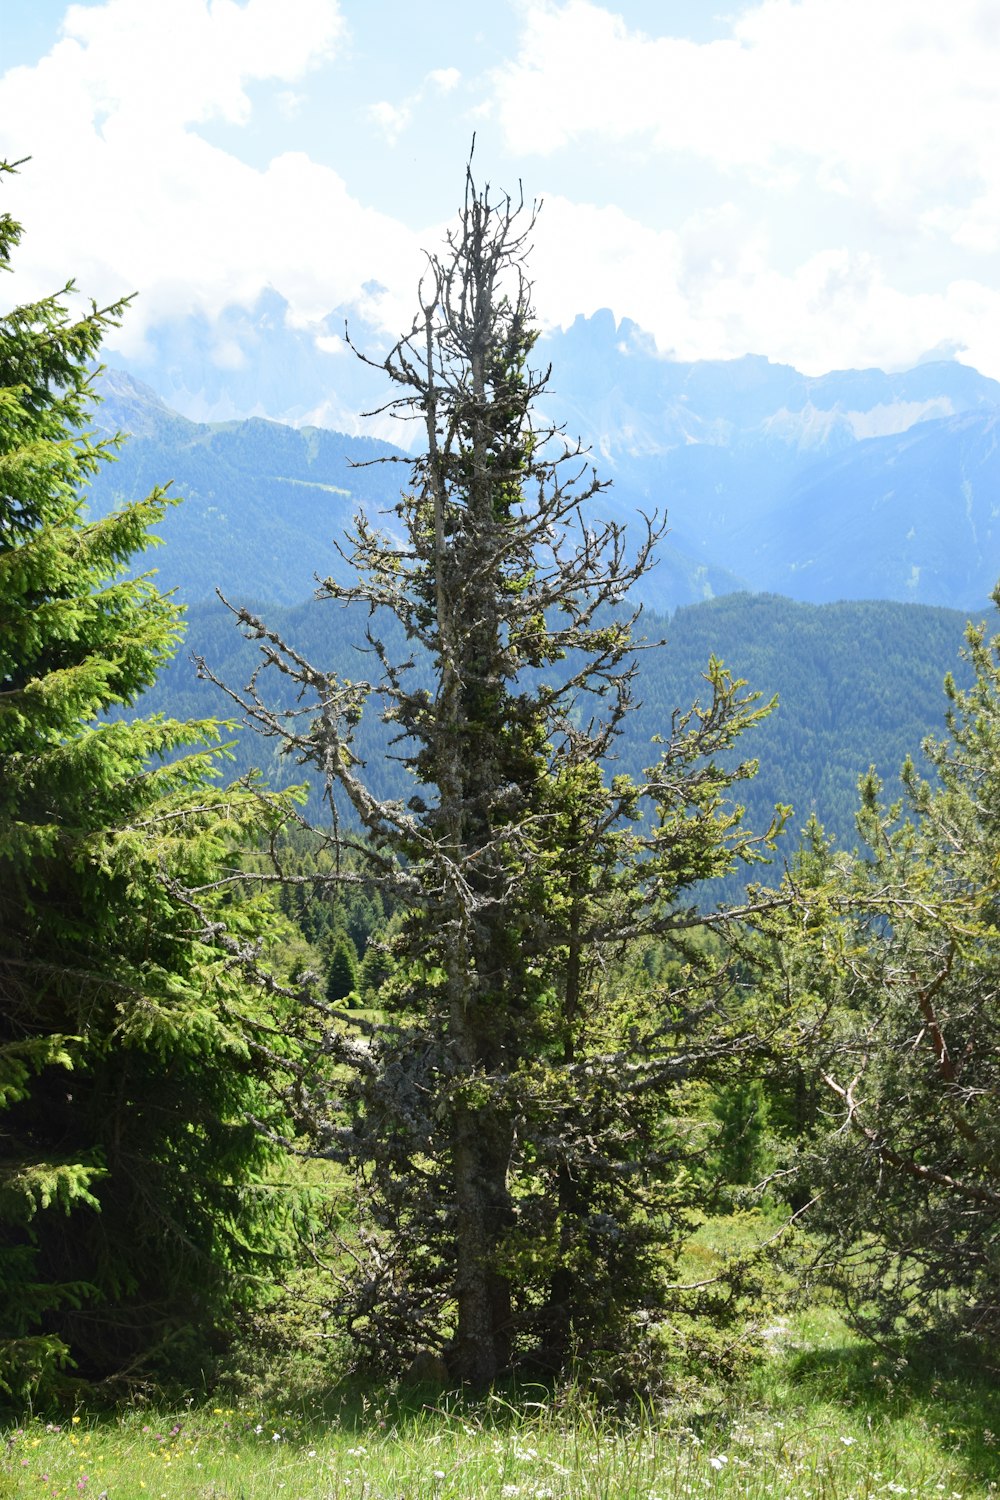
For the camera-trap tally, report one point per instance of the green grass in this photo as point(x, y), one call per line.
point(826, 1423)
point(822, 1416)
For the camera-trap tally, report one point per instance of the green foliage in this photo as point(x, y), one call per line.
point(128, 1075)
point(884, 977)
point(742, 1147)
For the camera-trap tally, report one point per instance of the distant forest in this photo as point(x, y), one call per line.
point(858, 684)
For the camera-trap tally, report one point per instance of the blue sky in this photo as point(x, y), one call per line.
point(814, 180)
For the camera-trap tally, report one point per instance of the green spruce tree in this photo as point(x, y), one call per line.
point(342, 975)
point(128, 1223)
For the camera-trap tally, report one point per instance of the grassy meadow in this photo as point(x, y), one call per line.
point(823, 1417)
point(820, 1415)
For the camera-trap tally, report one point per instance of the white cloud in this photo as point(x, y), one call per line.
point(846, 166)
point(159, 207)
point(846, 191)
point(444, 79)
point(708, 291)
point(187, 61)
point(394, 119)
point(895, 103)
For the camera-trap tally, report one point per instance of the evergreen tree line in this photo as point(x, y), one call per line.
point(506, 1005)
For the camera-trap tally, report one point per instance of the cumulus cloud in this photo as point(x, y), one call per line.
point(845, 206)
point(392, 119)
point(444, 79)
point(159, 207)
point(895, 103)
point(181, 62)
point(846, 171)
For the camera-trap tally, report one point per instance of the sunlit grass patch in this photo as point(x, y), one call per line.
point(497, 1450)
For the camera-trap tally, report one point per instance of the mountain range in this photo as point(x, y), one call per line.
point(851, 485)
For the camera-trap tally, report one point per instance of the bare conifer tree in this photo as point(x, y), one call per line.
point(506, 1113)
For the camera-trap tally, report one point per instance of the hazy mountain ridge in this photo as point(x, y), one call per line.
point(855, 484)
point(809, 486)
point(919, 512)
point(266, 504)
point(253, 362)
point(631, 404)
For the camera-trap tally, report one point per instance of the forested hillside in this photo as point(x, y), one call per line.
point(264, 504)
point(858, 684)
